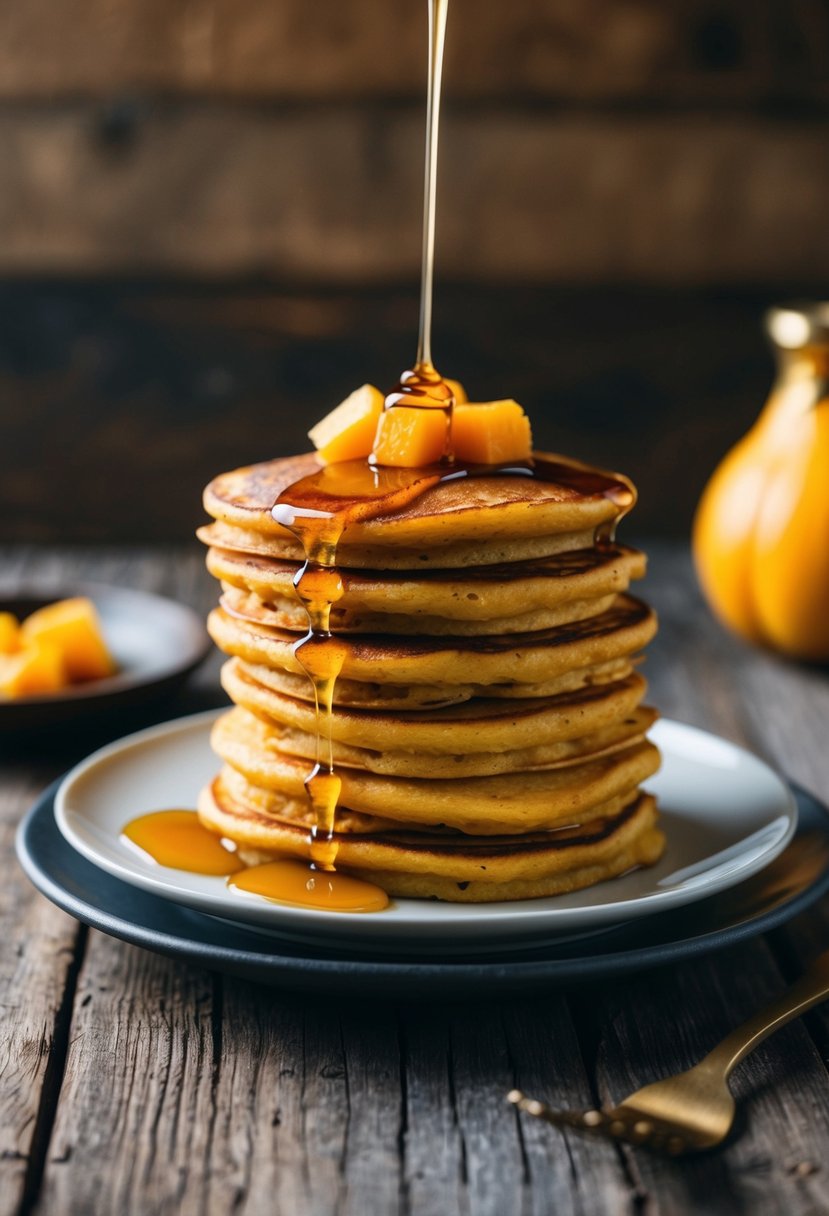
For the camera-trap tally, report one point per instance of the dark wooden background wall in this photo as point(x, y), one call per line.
point(209, 231)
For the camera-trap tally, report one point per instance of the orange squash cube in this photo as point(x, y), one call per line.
point(9, 632)
point(35, 671)
point(73, 627)
point(347, 433)
point(491, 433)
point(408, 438)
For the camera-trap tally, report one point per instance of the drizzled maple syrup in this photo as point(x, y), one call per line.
point(290, 881)
point(423, 387)
point(317, 510)
point(178, 839)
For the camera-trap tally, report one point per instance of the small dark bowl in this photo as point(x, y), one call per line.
point(155, 642)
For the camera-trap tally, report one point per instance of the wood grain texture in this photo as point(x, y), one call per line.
point(783, 1120)
point(118, 402)
point(334, 195)
point(37, 966)
point(779, 709)
point(137, 1095)
point(610, 141)
point(530, 48)
point(43, 949)
point(188, 1093)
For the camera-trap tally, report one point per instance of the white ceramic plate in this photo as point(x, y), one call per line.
point(726, 815)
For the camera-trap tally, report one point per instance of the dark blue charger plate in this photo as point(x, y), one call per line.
point(793, 881)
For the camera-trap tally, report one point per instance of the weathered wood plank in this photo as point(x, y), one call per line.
point(333, 195)
point(136, 1109)
point(282, 1097)
point(39, 954)
point(433, 1147)
point(260, 1147)
point(563, 1172)
point(42, 948)
point(480, 1074)
point(305, 1110)
point(529, 48)
point(665, 1021)
point(322, 1108)
point(372, 1165)
point(124, 400)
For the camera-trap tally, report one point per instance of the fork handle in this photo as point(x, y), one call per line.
point(809, 990)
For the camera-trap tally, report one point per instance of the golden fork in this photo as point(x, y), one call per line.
point(693, 1110)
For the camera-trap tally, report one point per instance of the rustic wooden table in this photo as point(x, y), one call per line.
point(133, 1084)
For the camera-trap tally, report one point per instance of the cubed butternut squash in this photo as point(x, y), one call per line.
point(9, 632)
point(408, 437)
point(491, 432)
point(347, 433)
point(34, 671)
point(73, 627)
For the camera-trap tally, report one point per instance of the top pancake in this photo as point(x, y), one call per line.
point(471, 521)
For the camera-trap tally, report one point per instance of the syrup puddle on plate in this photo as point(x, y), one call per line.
point(177, 840)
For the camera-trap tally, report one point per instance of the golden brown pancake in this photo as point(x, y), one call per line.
point(516, 801)
point(371, 695)
point(478, 726)
point(450, 556)
point(471, 521)
point(295, 809)
point(302, 745)
point(483, 593)
point(487, 726)
point(519, 659)
point(460, 869)
point(283, 613)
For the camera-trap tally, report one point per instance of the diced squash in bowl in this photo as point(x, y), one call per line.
point(73, 627)
point(36, 670)
point(9, 633)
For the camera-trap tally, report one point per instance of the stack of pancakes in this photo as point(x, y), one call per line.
point(488, 724)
